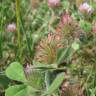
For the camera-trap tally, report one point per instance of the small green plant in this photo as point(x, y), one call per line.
point(15, 72)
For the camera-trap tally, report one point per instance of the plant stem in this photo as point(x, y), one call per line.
point(17, 23)
point(1, 44)
point(1, 30)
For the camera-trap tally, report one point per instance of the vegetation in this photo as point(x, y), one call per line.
point(47, 48)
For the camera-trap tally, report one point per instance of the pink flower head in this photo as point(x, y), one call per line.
point(85, 8)
point(11, 27)
point(65, 19)
point(54, 3)
point(28, 69)
point(50, 37)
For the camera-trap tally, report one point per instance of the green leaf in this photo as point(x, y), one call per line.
point(4, 81)
point(75, 46)
point(33, 92)
point(15, 72)
point(47, 79)
point(55, 85)
point(86, 26)
point(38, 65)
point(17, 90)
point(63, 54)
point(21, 90)
point(36, 79)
